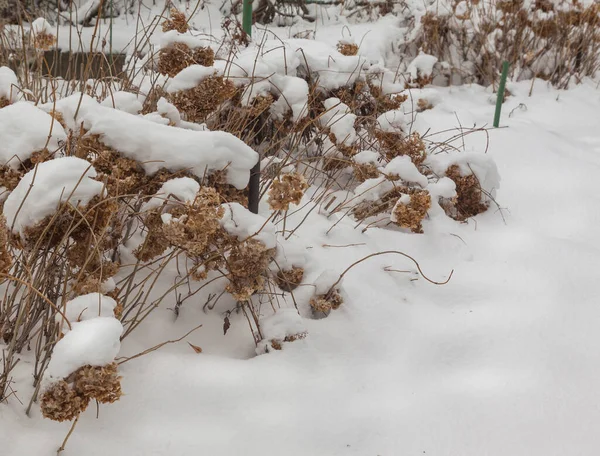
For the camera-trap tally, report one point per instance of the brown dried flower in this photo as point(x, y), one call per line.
point(288, 280)
point(197, 103)
point(324, 303)
point(177, 21)
point(178, 56)
point(60, 402)
point(101, 383)
point(469, 201)
point(347, 48)
point(285, 190)
point(6, 259)
point(411, 214)
point(247, 264)
point(44, 41)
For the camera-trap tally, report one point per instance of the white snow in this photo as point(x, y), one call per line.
point(93, 342)
point(50, 183)
point(123, 101)
point(41, 25)
point(160, 146)
point(86, 307)
point(173, 36)
point(332, 69)
point(403, 167)
point(373, 189)
point(340, 120)
point(283, 323)
point(9, 84)
point(500, 361)
point(293, 95)
point(191, 77)
point(289, 254)
point(325, 281)
point(482, 166)
point(25, 129)
point(243, 224)
point(395, 121)
point(365, 157)
point(180, 189)
point(422, 65)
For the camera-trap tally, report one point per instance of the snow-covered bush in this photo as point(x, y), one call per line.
point(118, 202)
point(556, 40)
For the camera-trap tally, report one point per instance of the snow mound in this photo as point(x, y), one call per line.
point(293, 96)
point(173, 37)
point(289, 254)
point(158, 146)
point(241, 223)
point(340, 121)
point(482, 166)
point(191, 77)
point(92, 342)
point(8, 84)
point(25, 129)
point(332, 69)
point(42, 189)
point(41, 25)
point(123, 101)
point(394, 121)
point(325, 281)
point(373, 189)
point(284, 322)
point(422, 66)
point(181, 189)
point(86, 307)
point(403, 167)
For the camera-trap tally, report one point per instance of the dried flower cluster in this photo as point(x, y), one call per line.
point(285, 190)
point(6, 259)
point(470, 198)
point(179, 56)
point(396, 144)
point(324, 303)
point(247, 264)
point(277, 344)
point(411, 214)
point(43, 41)
point(289, 279)
point(66, 399)
point(197, 103)
point(177, 21)
point(347, 48)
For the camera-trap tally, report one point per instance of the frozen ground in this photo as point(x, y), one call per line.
point(501, 361)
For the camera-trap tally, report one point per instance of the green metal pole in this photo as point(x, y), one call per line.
point(254, 184)
point(111, 38)
point(500, 96)
point(247, 17)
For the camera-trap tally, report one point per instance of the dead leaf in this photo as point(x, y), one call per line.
point(226, 325)
point(195, 348)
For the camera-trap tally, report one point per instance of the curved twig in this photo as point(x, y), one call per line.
point(386, 252)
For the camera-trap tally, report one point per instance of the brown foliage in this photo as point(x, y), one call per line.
point(101, 383)
point(178, 56)
point(469, 201)
point(285, 190)
point(60, 402)
point(411, 215)
point(288, 280)
point(177, 21)
point(197, 103)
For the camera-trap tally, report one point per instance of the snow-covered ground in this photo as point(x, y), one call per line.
point(501, 361)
